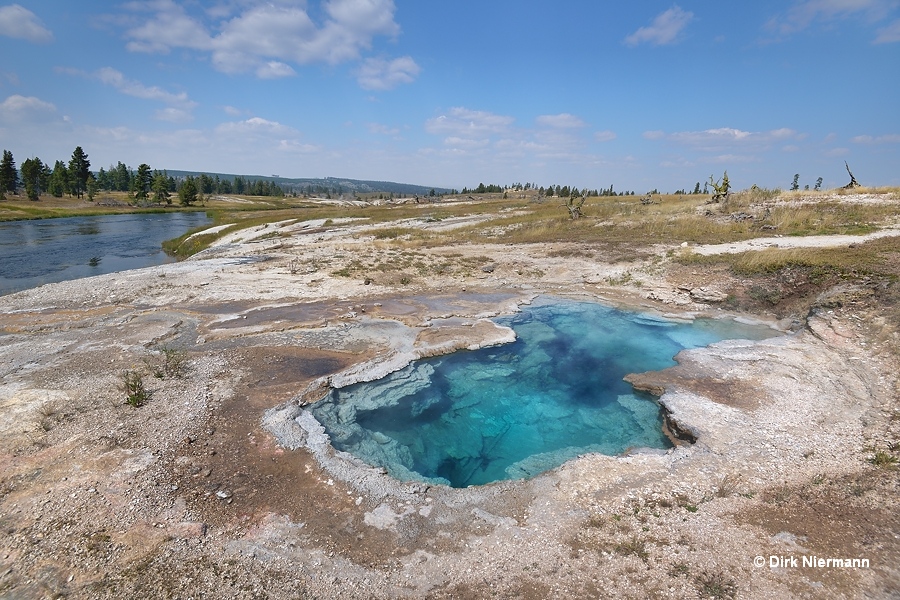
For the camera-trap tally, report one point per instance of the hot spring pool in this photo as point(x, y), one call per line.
point(514, 411)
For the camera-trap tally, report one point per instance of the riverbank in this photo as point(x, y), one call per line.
point(209, 488)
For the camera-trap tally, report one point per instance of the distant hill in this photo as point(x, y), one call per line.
point(335, 185)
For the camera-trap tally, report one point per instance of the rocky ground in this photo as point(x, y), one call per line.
point(210, 489)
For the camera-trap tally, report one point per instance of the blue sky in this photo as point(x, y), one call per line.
point(639, 95)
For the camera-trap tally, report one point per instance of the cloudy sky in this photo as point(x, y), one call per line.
point(639, 95)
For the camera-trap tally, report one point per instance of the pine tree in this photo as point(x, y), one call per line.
point(79, 170)
point(32, 177)
point(161, 188)
point(121, 177)
point(143, 181)
point(59, 180)
point(103, 179)
point(9, 176)
point(91, 187)
point(187, 195)
point(796, 184)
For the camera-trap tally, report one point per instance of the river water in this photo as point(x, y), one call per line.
point(33, 253)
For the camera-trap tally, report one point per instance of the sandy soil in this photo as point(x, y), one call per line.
point(212, 489)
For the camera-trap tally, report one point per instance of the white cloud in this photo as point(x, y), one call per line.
point(727, 159)
point(458, 142)
point(837, 152)
point(116, 79)
point(171, 27)
point(605, 136)
point(382, 129)
point(274, 69)
point(255, 126)
point(560, 121)
point(664, 30)
point(267, 37)
point(25, 108)
point(381, 74)
point(174, 115)
point(889, 34)
point(463, 122)
point(728, 145)
point(180, 105)
point(724, 136)
point(804, 13)
point(20, 23)
point(297, 147)
point(882, 139)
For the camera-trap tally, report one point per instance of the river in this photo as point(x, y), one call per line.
point(33, 253)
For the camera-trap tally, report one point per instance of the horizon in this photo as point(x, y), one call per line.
point(640, 97)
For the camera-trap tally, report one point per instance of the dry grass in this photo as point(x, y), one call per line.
point(874, 257)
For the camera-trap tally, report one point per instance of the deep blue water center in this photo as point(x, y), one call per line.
point(513, 411)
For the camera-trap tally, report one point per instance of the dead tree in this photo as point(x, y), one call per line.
point(853, 182)
point(574, 206)
point(721, 188)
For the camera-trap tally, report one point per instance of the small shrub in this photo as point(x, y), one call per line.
point(596, 521)
point(763, 294)
point(883, 460)
point(715, 585)
point(133, 384)
point(622, 279)
point(685, 503)
point(781, 494)
point(172, 363)
point(635, 546)
point(728, 485)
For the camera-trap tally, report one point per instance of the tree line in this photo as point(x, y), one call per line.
point(551, 190)
point(144, 184)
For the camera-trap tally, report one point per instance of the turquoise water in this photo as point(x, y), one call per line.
point(514, 411)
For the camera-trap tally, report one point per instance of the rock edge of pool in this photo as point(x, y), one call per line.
point(295, 425)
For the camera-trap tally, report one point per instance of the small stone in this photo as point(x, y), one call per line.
point(224, 494)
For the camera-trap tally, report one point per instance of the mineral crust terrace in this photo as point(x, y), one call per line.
point(220, 486)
